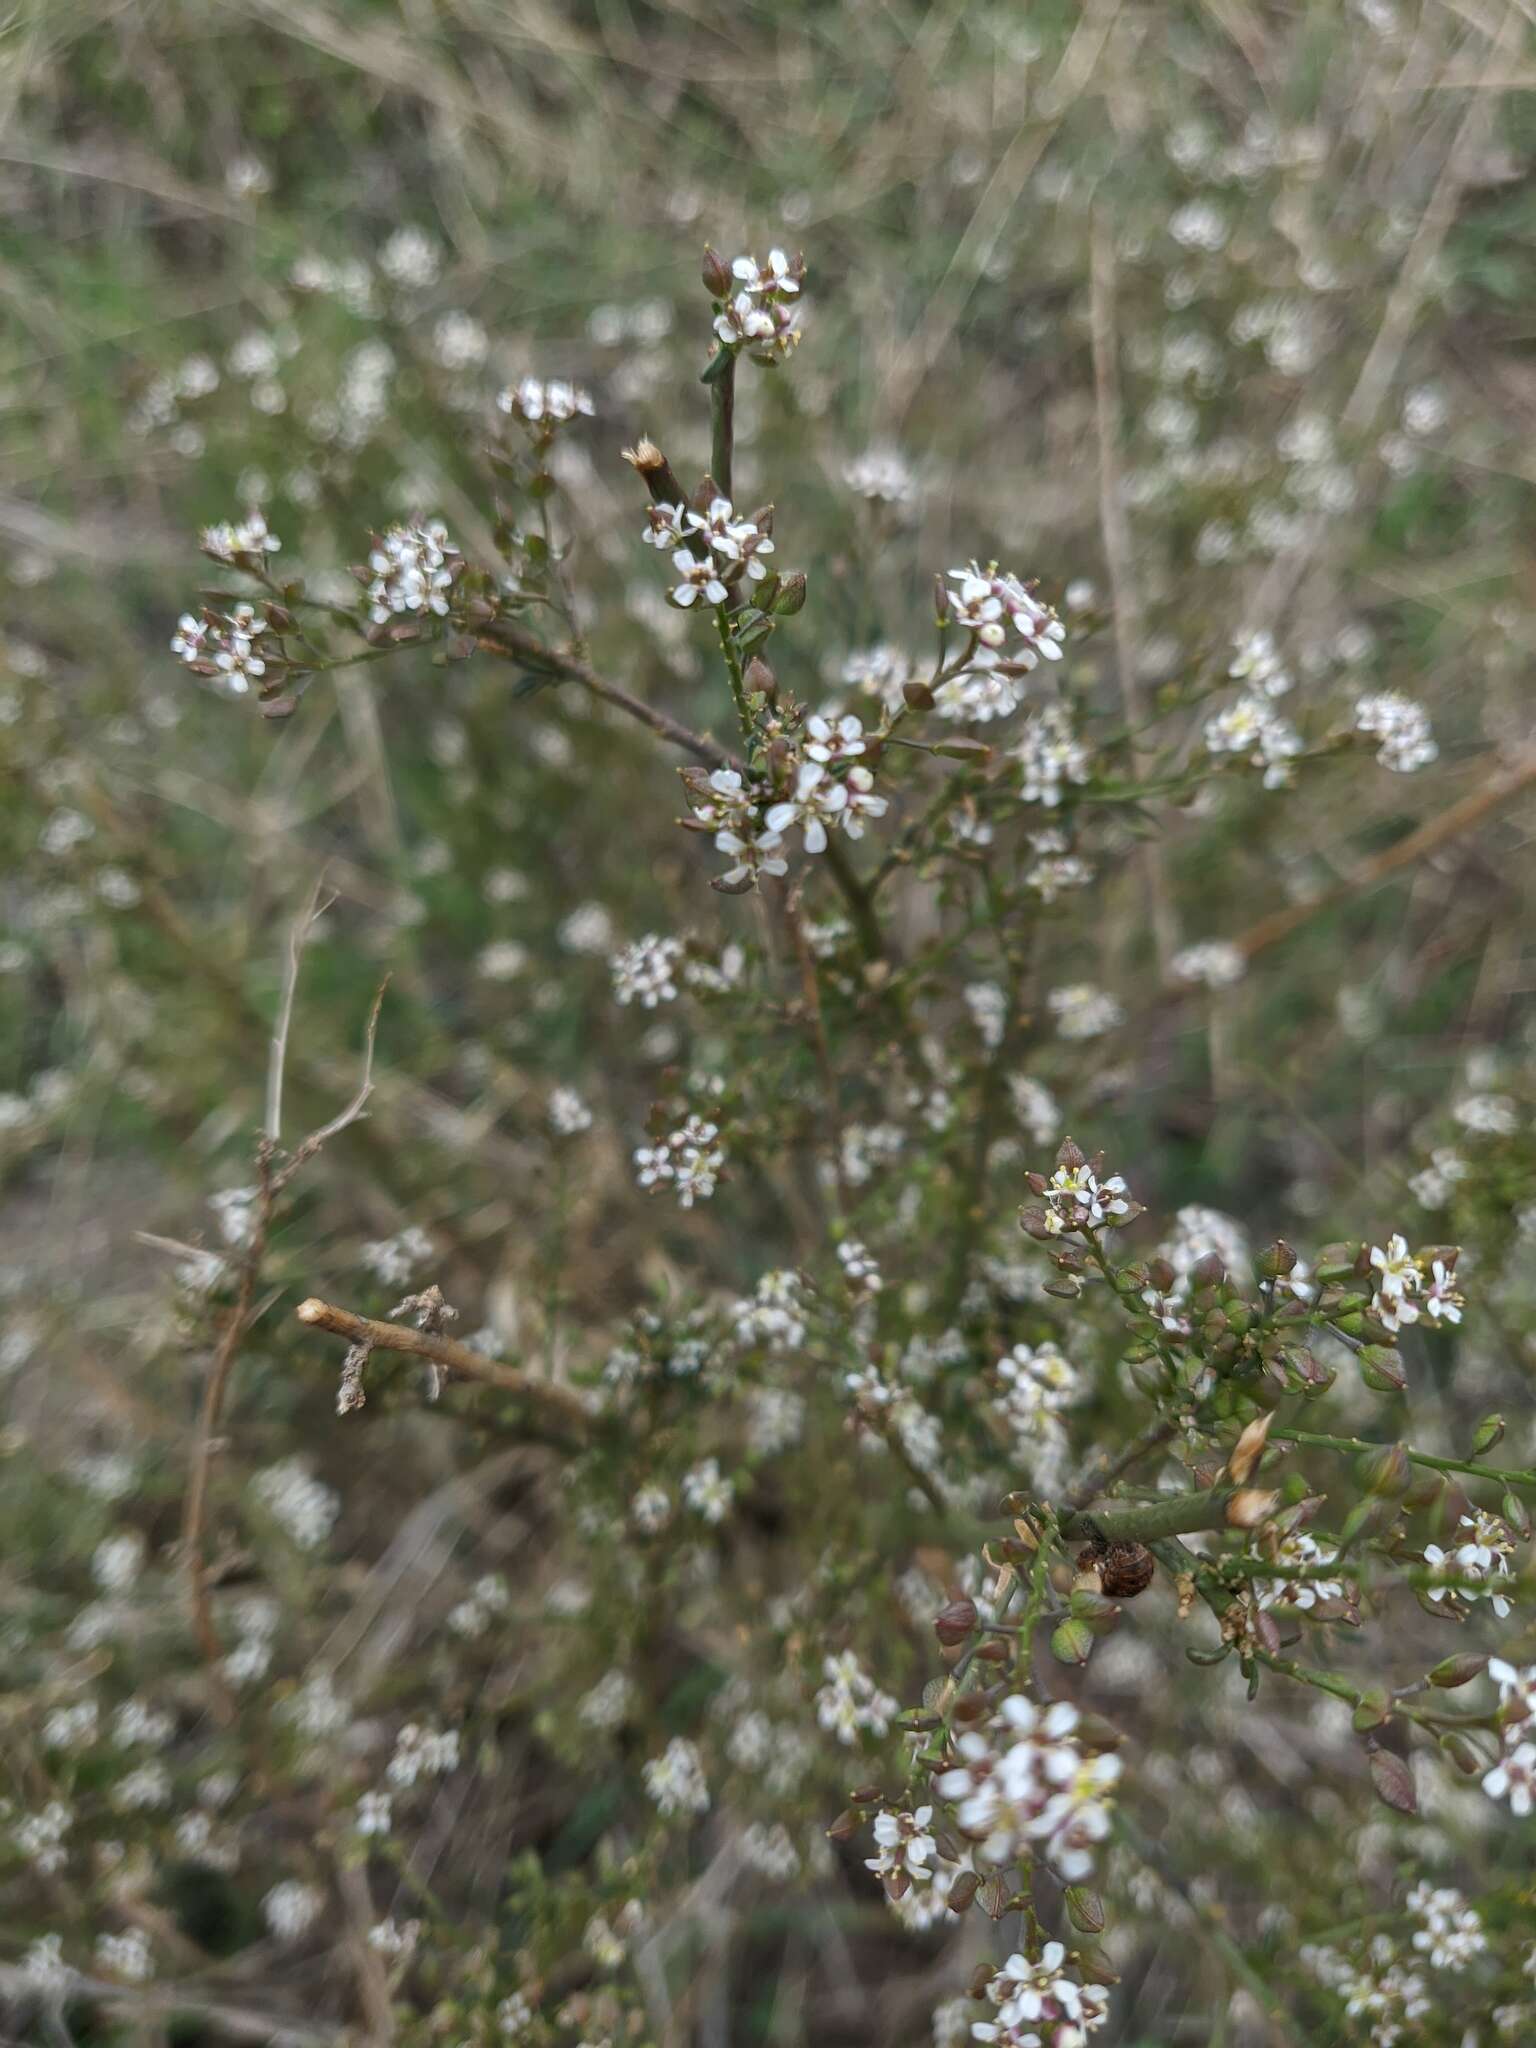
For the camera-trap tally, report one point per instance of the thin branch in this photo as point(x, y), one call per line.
point(1499, 789)
point(308, 1147)
point(277, 1064)
point(1118, 556)
point(511, 644)
point(559, 1405)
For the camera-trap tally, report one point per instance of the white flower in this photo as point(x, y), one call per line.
point(1253, 728)
point(850, 1701)
point(1401, 726)
point(249, 536)
point(568, 1115)
point(697, 576)
point(707, 1491)
point(1514, 1778)
point(546, 405)
point(688, 1159)
point(298, 1502)
point(904, 1844)
point(984, 598)
point(882, 475)
point(1215, 962)
point(413, 570)
point(675, 1779)
point(1083, 1011)
point(645, 972)
point(1050, 755)
point(290, 1909)
point(776, 275)
point(373, 1813)
point(422, 1752)
point(126, 1955)
point(410, 257)
point(117, 1562)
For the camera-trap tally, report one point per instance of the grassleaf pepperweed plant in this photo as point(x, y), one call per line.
point(875, 1568)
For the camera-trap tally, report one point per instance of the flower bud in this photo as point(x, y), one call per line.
point(760, 679)
point(1459, 1669)
point(1275, 1262)
point(716, 275)
point(1160, 1275)
point(1489, 1432)
point(789, 598)
point(1085, 1909)
point(952, 1624)
point(1517, 1514)
point(1385, 1472)
point(844, 1827)
point(1249, 1449)
point(1072, 1642)
point(1464, 1753)
point(1382, 1369)
point(917, 696)
point(964, 1890)
point(1393, 1781)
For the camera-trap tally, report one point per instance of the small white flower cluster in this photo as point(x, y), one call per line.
point(1050, 755)
point(646, 972)
point(881, 672)
point(223, 645)
point(1055, 868)
point(1213, 963)
point(1298, 1551)
point(126, 1955)
point(1404, 1292)
point(1386, 1992)
point(1254, 729)
point(711, 550)
point(1255, 662)
point(1483, 1554)
point(1038, 1383)
point(1040, 2004)
point(851, 1702)
point(300, 1504)
point(422, 1753)
point(1402, 728)
point(1513, 1777)
point(688, 1160)
point(230, 540)
point(545, 406)
point(1076, 1198)
point(1451, 1931)
point(568, 1114)
point(761, 311)
point(905, 1847)
point(675, 1779)
point(882, 475)
point(413, 571)
point(1432, 1185)
point(773, 1315)
point(487, 1599)
point(290, 1909)
point(708, 1492)
point(830, 790)
point(1083, 1011)
point(985, 603)
point(39, 1837)
point(1024, 1779)
point(395, 1260)
point(609, 1703)
point(860, 1268)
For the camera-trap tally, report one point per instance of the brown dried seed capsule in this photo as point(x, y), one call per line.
point(1124, 1569)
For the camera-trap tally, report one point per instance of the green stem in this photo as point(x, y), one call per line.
point(1506, 1476)
point(734, 674)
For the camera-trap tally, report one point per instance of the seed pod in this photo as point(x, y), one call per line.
point(952, 1624)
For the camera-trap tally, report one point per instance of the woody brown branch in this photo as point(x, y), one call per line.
point(559, 1406)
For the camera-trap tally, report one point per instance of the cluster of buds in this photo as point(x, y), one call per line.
point(1042, 2002)
point(756, 305)
point(688, 1160)
point(816, 779)
point(1079, 1199)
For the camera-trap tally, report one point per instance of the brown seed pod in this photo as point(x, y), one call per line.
point(1124, 1569)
